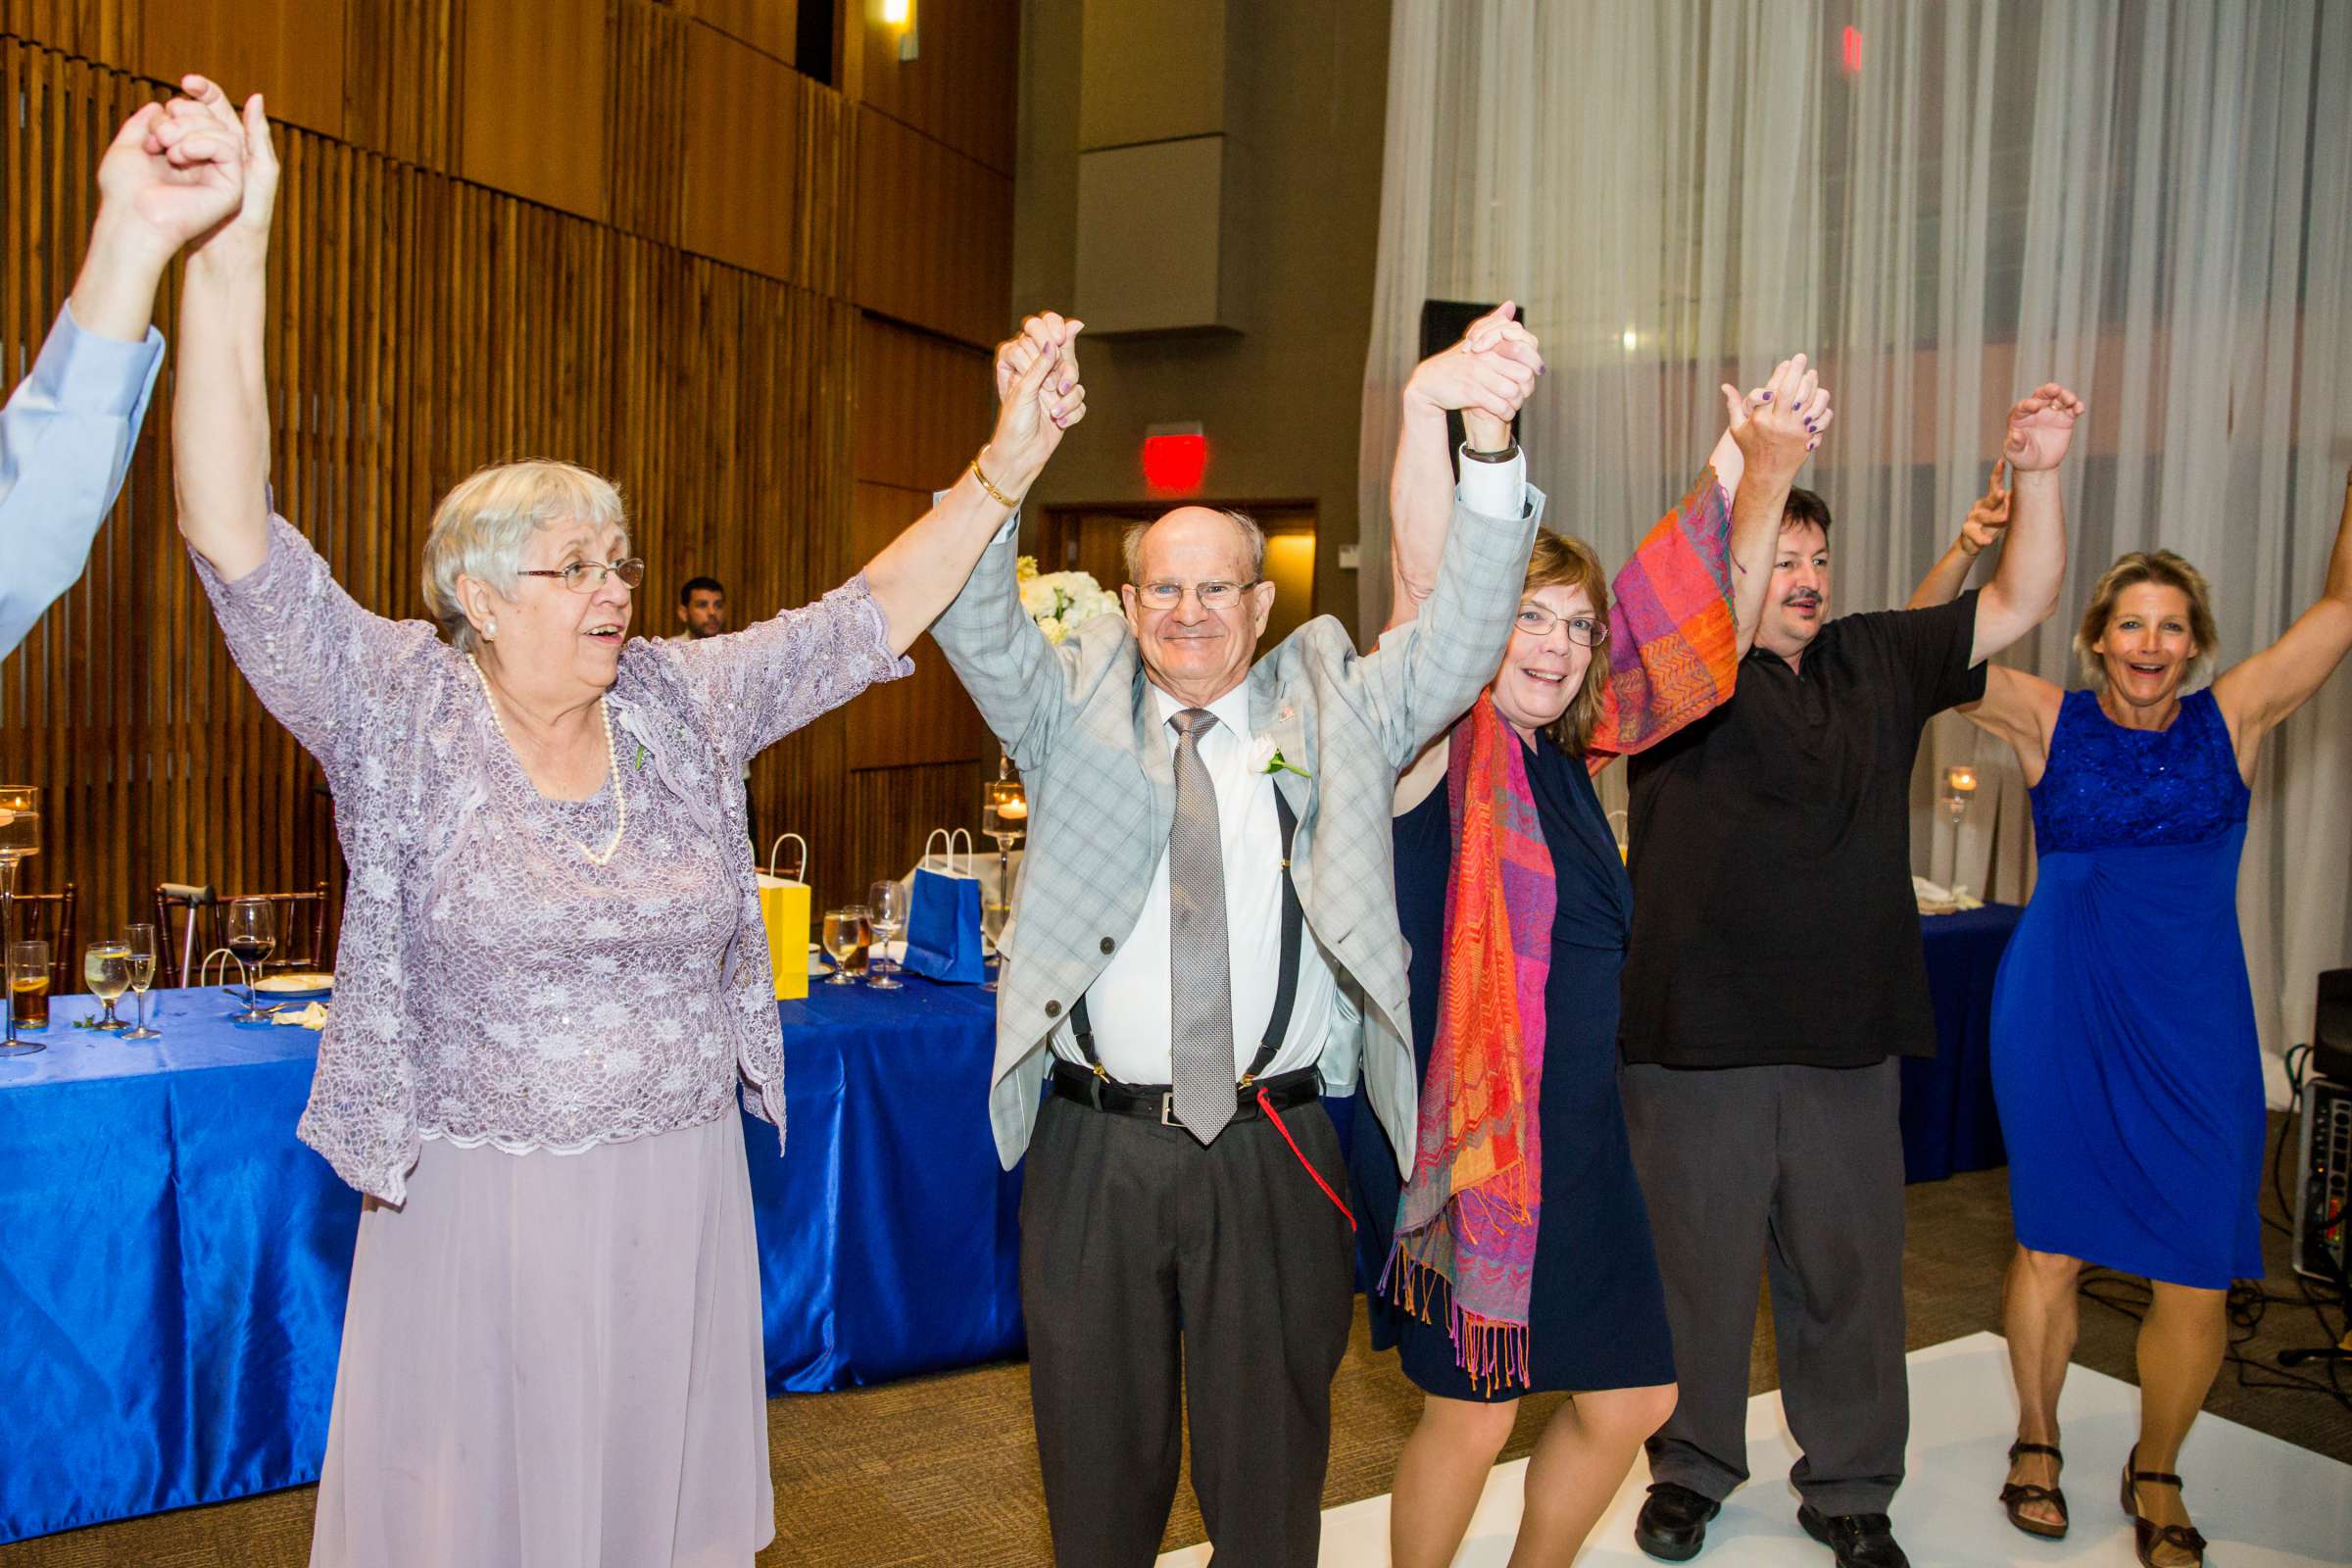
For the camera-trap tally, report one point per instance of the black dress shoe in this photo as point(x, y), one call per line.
point(1860, 1539)
point(1674, 1522)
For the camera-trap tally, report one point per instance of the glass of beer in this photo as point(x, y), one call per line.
point(845, 938)
point(106, 970)
point(28, 987)
point(140, 941)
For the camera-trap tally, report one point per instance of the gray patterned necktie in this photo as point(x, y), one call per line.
point(1199, 963)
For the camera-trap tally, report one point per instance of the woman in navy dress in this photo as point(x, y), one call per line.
point(1595, 1321)
point(2125, 1059)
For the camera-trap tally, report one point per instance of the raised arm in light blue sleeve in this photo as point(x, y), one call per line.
point(66, 439)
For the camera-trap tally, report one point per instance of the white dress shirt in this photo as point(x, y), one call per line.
point(1128, 1005)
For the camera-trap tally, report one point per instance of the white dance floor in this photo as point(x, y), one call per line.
point(2262, 1503)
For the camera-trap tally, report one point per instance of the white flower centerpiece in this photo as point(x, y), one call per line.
point(1062, 602)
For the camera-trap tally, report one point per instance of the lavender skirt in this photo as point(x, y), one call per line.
point(554, 1362)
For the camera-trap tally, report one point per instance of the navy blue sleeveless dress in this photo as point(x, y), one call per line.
point(1596, 1310)
point(2123, 1055)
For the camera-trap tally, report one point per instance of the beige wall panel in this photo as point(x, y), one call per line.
point(535, 100)
point(290, 51)
point(1151, 237)
point(741, 168)
point(924, 213)
point(961, 88)
point(1151, 73)
point(771, 26)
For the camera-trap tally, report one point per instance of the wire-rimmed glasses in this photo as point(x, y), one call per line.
point(140, 941)
point(886, 912)
point(1585, 628)
point(587, 576)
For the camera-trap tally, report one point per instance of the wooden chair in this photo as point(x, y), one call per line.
point(188, 925)
point(49, 917)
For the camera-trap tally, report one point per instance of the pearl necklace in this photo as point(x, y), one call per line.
point(611, 763)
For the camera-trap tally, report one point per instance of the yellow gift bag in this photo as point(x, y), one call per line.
point(784, 909)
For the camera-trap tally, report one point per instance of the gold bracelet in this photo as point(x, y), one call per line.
point(1008, 502)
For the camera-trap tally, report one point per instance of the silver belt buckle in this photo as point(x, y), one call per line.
point(1167, 1108)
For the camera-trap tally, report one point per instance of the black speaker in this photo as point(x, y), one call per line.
point(1443, 323)
point(2324, 1180)
point(2332, 1029)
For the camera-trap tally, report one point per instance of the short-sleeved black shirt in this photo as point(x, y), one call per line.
point(1774, 920)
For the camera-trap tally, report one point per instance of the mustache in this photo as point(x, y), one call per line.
point(1803, 596)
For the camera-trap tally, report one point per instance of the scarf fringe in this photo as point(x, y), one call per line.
point(1492, 1353)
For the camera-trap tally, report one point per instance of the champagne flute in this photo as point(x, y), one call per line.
point(141, 940)
point(886, 912)
point(843, 935)
point(29, 993)
point(252, 935)
point(106, 970)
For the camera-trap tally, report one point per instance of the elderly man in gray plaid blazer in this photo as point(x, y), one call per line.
point(1206, 941)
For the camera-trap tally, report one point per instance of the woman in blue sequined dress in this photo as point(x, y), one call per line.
point(2123, 1051)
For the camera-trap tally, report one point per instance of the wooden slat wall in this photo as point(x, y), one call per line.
point(673, 298)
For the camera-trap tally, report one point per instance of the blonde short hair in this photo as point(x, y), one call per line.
point(2160, 566)
point(1559, 560)
point(482, 525)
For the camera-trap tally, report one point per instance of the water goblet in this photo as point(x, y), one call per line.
point(106, 970)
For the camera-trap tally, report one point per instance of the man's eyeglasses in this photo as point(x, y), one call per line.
point(1212, 595)
point(587, 576)
point(1586, 630)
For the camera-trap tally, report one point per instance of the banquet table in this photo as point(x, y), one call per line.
point(173, 1263)
point(1949, 1122)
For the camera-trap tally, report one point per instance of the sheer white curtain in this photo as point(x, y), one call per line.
point(2151, 203)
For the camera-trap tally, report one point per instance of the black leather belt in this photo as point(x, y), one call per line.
point(1157, 1102)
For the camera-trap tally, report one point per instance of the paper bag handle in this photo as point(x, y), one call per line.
point(947, 857)
point(803, 873)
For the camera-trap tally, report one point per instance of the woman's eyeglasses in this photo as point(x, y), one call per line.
point(1585, 630)
point(587, 576)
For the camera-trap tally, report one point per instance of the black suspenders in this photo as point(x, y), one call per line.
point(1285, 990)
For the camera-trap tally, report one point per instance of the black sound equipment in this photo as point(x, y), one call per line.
point(2322, 1180)
point(2332, 1029)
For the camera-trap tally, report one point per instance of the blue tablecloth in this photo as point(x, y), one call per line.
point(1949, 1121)
point(173, 1263)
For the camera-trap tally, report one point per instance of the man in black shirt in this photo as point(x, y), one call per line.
point(1773, 977)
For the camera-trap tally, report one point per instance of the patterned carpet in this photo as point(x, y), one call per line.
point(943, 1471)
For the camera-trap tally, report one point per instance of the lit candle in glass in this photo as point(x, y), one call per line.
point(1961, 780)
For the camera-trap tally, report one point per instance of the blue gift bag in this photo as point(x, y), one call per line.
point(943, 914)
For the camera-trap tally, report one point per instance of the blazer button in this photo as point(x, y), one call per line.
point(1107, 943)
point(1053, 1010)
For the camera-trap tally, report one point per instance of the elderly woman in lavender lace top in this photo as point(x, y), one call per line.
point(553, 976)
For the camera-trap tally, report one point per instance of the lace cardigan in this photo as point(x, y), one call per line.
point(492, 984)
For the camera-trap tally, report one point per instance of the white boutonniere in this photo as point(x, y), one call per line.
point(1266, 758)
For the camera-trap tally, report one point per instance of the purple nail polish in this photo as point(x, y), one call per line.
point(1768, 396)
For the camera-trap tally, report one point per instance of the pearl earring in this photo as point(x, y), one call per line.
point(490, 628)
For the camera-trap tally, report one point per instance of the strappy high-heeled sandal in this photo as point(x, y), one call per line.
point(2016, 1496)
point(2147, 1533)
